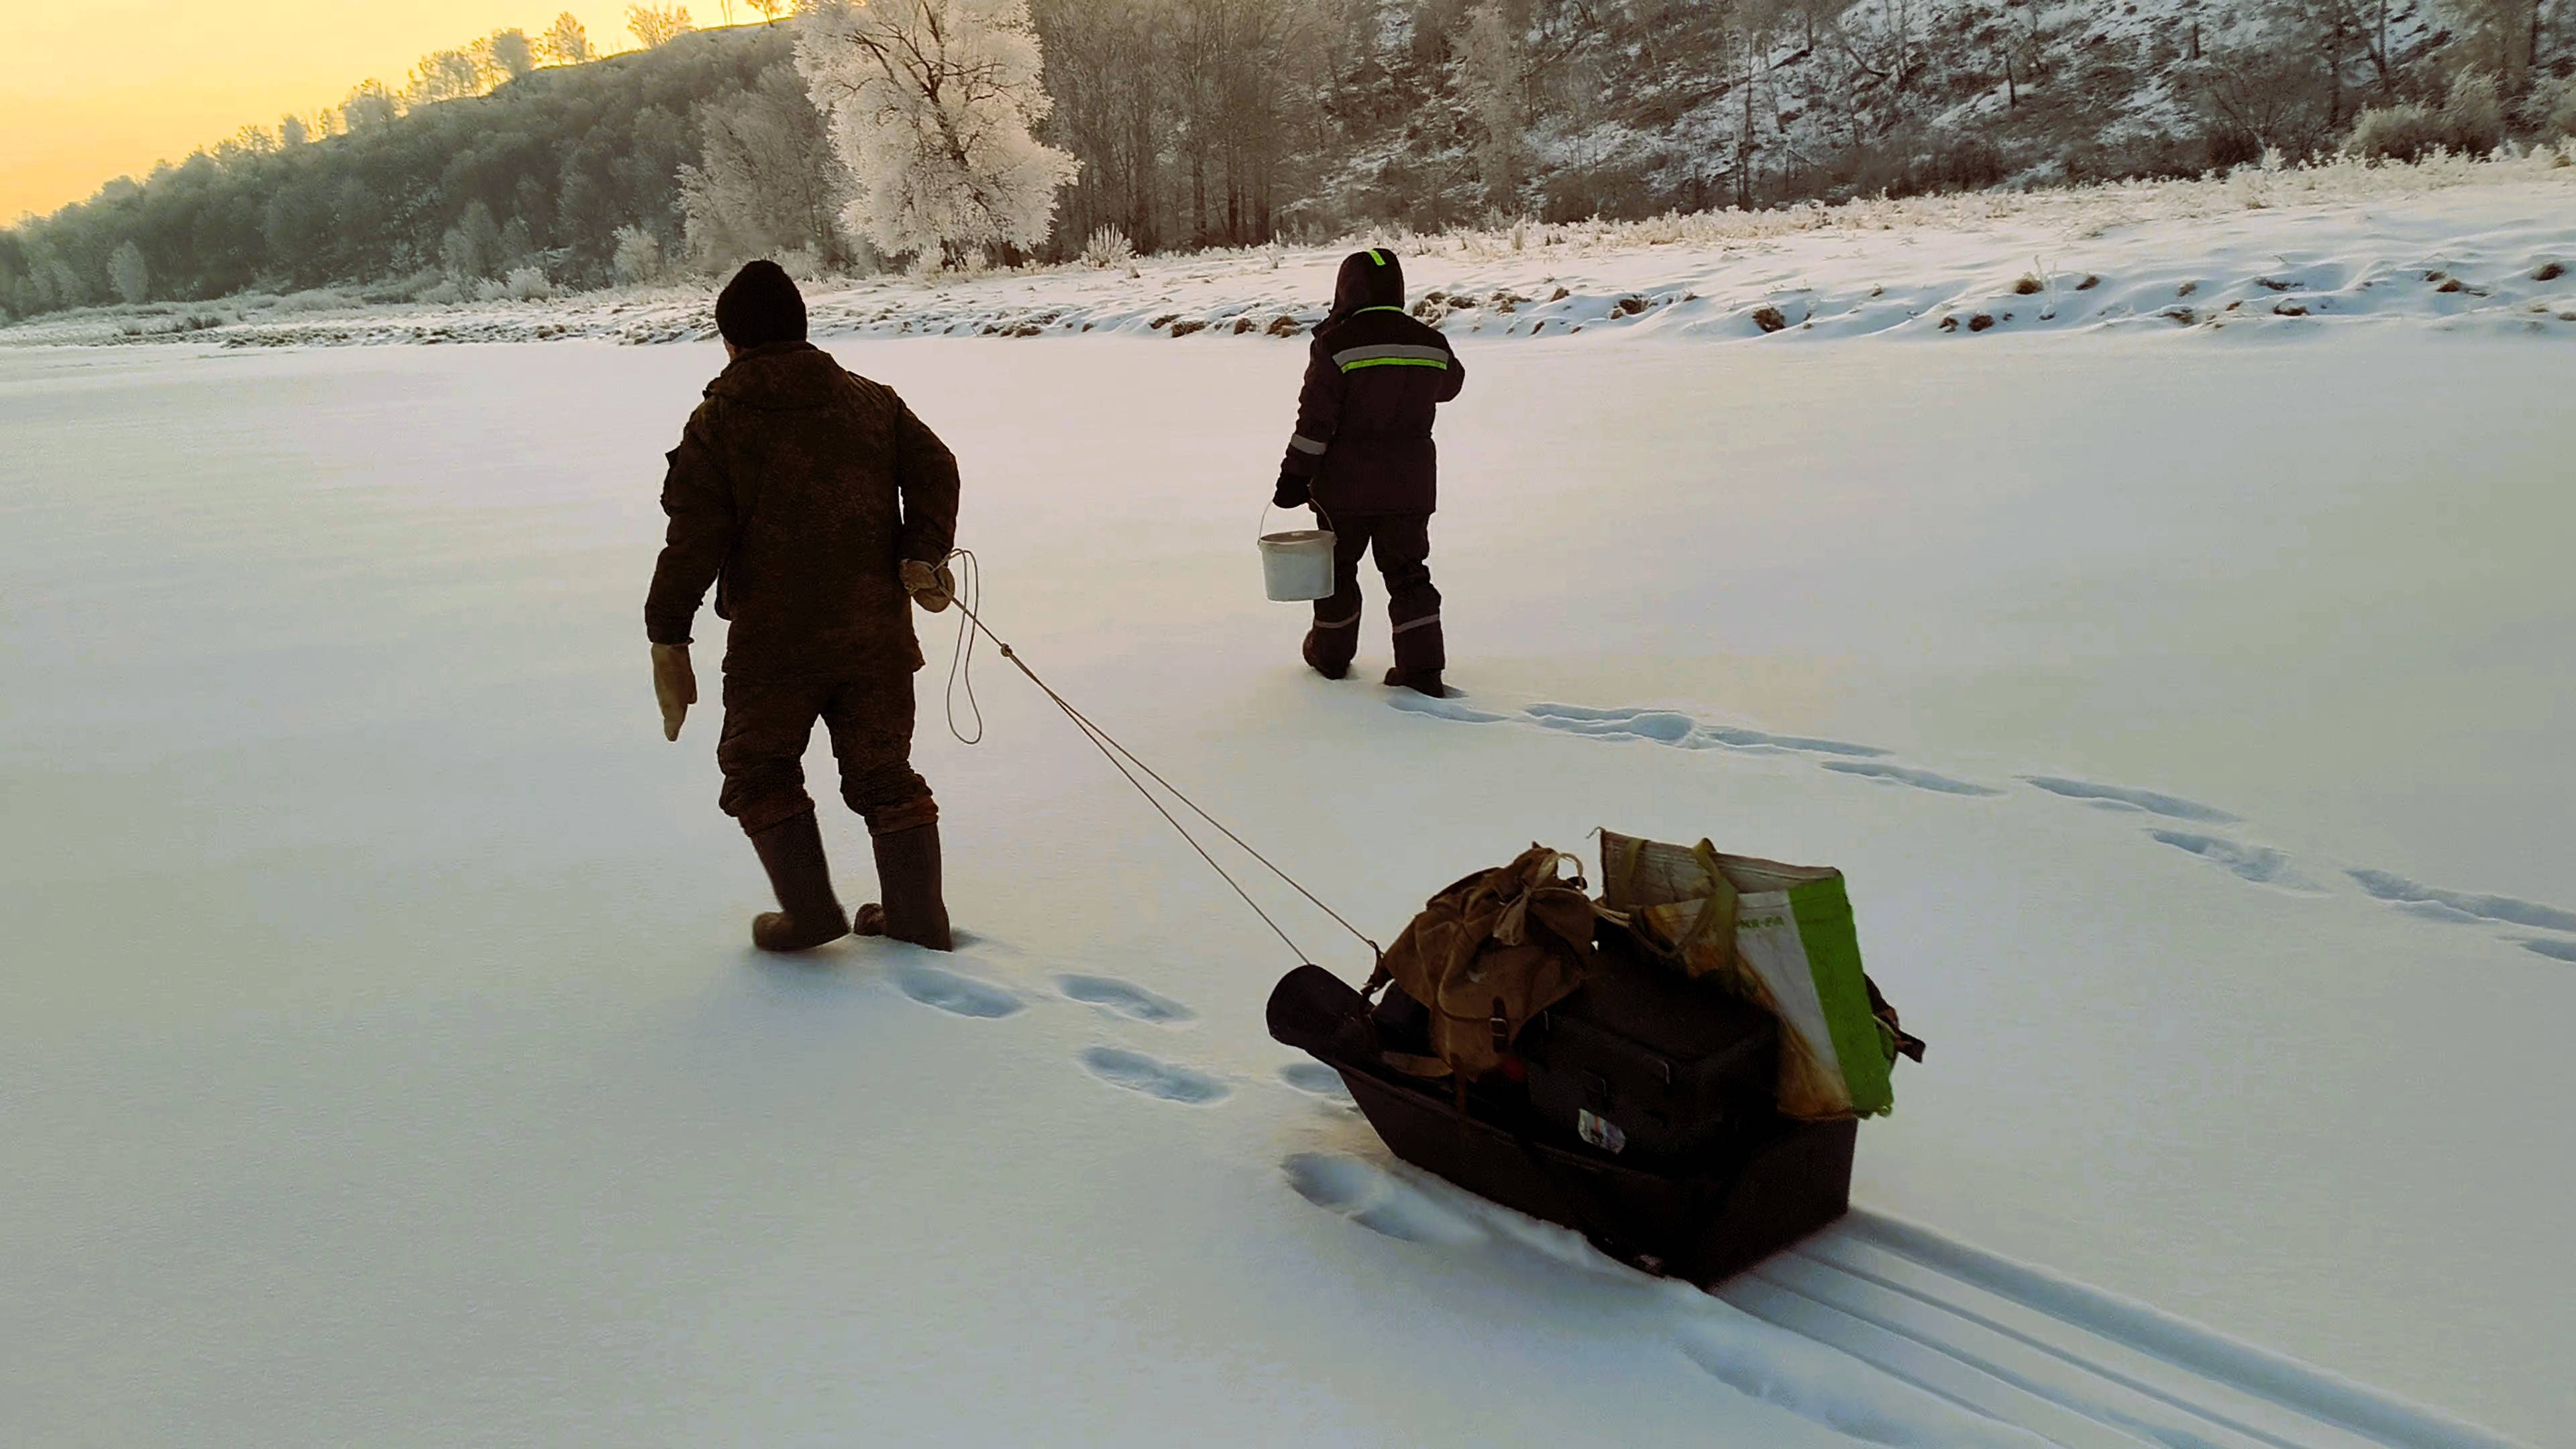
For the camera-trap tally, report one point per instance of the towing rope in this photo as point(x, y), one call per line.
point(1120, 758)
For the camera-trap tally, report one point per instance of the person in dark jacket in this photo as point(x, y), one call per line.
point(1362, 456)
point(817, 505)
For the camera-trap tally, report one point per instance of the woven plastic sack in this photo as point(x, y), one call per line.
point(1779, 935)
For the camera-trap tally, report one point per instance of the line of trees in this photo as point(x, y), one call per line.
point(939, 130)
point(560, 172)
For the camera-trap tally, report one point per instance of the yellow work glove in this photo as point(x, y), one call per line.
point(932, 586)
point(674, 684)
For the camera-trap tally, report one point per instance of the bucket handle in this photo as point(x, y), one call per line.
point(1262, 524)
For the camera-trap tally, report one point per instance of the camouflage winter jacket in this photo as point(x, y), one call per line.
point(798, 490)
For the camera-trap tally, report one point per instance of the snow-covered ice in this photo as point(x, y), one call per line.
point(382, 1059)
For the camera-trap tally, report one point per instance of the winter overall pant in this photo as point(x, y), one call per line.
point(762, 750)
point(1402, 543)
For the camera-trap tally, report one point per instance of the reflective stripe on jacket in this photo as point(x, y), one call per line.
point(1375, 378)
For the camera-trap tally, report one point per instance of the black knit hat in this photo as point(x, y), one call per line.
point(760, 305)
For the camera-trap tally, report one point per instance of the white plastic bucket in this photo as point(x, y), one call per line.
point(1298, 565)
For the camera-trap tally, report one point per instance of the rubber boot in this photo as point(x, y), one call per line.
point(809, 914)
point(908, 873)
point(1322, 667)
point(1420, 681)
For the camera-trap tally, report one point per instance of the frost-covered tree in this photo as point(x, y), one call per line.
point(127, 273)
point(292, 132)
point(639, 255)
point(932, 106)
point(513, 54)
point(371, 104)
point(767, 179)
point(1489, 75)
point(655, 24)
point(244, 145)
point(516, 249)
point(770, 10)
point(566, 42)
point(471, 249)
point(54, 282)
point(2503, 40)
point(445, 75)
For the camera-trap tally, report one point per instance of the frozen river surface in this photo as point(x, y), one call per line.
point(381, 1059)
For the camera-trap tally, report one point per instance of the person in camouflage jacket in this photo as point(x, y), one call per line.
point(820, 509)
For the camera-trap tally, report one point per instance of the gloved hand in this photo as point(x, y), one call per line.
point(1293, 492)
point(932, 586)
point(675, 685)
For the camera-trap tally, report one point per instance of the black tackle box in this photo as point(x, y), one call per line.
point(1641, 1063)
point(1646, 1063)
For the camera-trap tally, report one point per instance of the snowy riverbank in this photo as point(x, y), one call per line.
point(2484, 247)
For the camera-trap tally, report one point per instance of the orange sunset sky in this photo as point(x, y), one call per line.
point(105, 88)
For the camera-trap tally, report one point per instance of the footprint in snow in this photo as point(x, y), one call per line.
point(1903, 775)
point(2444, 905)
point(1377, 1200)
point(1448, 709)
point(950, 992)
point(1316, 1079)
point(1662, 726)
point(1132, 1002)
point(2172, 807)
point(1680, 731)
point(1138, 1072)
point(2260, 864)
point(1671, 727)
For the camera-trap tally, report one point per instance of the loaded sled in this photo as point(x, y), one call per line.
point(1558, 1056)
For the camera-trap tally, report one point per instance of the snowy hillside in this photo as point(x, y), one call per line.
point(1989, 90)
point(384, 1062)
point(2484, 245)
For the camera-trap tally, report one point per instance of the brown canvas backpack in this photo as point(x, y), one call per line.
point(1491, 952)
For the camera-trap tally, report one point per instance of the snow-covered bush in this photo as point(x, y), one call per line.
point(1108, 247)
point(128, 274)
point(933, 104)
point(800, 264)
point(528, 284)
point(491, 289)
point(2556, 110)
point(2473, 115)
point(312, 299)
point(445, 294)
point(2401, 132)
point(638, 258)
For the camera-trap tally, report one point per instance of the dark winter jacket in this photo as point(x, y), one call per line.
point(1374, 377)
point(798, 490)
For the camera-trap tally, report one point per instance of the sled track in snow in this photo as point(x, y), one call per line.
point(2066, 1364)
point(1888, 1333)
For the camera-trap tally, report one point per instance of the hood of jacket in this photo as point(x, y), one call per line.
point(781, 377)
point(1373, 278)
